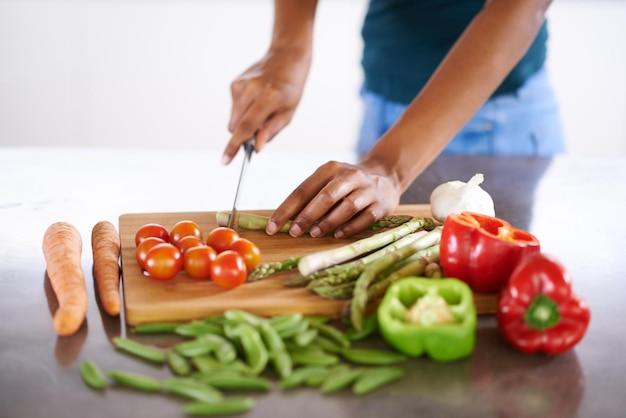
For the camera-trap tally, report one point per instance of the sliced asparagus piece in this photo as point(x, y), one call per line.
point(253, 221)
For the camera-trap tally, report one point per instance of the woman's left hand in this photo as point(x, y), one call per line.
point(338, 198)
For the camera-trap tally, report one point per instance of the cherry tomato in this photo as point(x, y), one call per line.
point(151, 230)
point(248, 250)
point(182, 229)
point(221, 238)
point(187, 242)
point(142, 249)
point(163, 261)
point(228, 270)
point(197, 261)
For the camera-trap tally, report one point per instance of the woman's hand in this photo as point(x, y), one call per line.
point(338, 198)
point(265, 98)
point(266, 95)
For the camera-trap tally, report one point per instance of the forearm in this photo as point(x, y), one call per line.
point(486, 52)
point(293, 24)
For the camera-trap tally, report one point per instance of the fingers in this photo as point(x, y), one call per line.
point(256, 111)
point(297, 201)
point(338, 198)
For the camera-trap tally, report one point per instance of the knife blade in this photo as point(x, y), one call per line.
point(248, 148)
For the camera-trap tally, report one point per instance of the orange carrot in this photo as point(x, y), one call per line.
point(62, 249)
point(105, 244)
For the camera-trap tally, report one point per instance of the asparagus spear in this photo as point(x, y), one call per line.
point(360, 299)
point(336, 292)
point(262, 271)
point(415, 267)
point(417, 264)
point(345, 272)
point(433, 270)
point(254, 221)
point(267, 269)
point(323, 259)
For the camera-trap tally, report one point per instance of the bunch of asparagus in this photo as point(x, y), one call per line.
point(361, 272)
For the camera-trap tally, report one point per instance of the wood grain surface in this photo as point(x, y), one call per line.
point(183, 298)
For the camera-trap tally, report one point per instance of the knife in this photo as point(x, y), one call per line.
point(248, 148)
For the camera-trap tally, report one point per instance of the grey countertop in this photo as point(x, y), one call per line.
point(573, 205)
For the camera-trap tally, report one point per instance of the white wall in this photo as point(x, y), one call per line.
point(157, 73)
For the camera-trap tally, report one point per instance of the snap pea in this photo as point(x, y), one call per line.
point(316, 379)
point(240, 316)
point(327, 344)
point(234, 381)
point(270, 336)
point(255, 350)
point(140, 350)
point(299, 376)
point(305, 338)
point(205, 363)
point(226, 406)
point(198, 328)
point(192, 389)
point(177, 363)
point(92, 375)
point(339, 380)
point(225, 351)
point(135, 380)
point(206, 377)
point(292, 347)
point(281, 360)
point(372, 379)
point(297, 328)
point(313, 358)
point(285, 321)
point(156, 328)
point(331, 332)
point(370, 327)
point(195, 347)
point(372, 356)
point(215, 319)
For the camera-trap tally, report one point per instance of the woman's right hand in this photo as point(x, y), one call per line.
point(265, 97)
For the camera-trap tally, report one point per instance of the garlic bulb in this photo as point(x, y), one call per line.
point(457, 196)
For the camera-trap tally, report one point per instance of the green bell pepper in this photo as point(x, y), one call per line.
point(436, 317)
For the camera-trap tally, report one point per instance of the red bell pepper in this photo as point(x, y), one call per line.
point(538, 311)
point(482, 250)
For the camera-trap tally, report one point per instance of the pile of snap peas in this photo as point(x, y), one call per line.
point(237, 350)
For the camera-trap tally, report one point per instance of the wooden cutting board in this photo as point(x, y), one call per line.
point(183, 298)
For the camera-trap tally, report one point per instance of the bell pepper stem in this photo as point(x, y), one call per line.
point(542, 313)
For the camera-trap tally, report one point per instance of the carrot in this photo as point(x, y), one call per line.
point(105, 244)
point(62, 249)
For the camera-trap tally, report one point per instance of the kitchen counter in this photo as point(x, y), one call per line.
point(573, 205)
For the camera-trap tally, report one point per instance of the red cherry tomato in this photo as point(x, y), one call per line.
point(221, 238)
point(182, 229)
point(197, 261)
point(151, 230)
point(188, 242)
point(248, 250)
point(163, 261)
point(144, 246)
point(228, 270)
